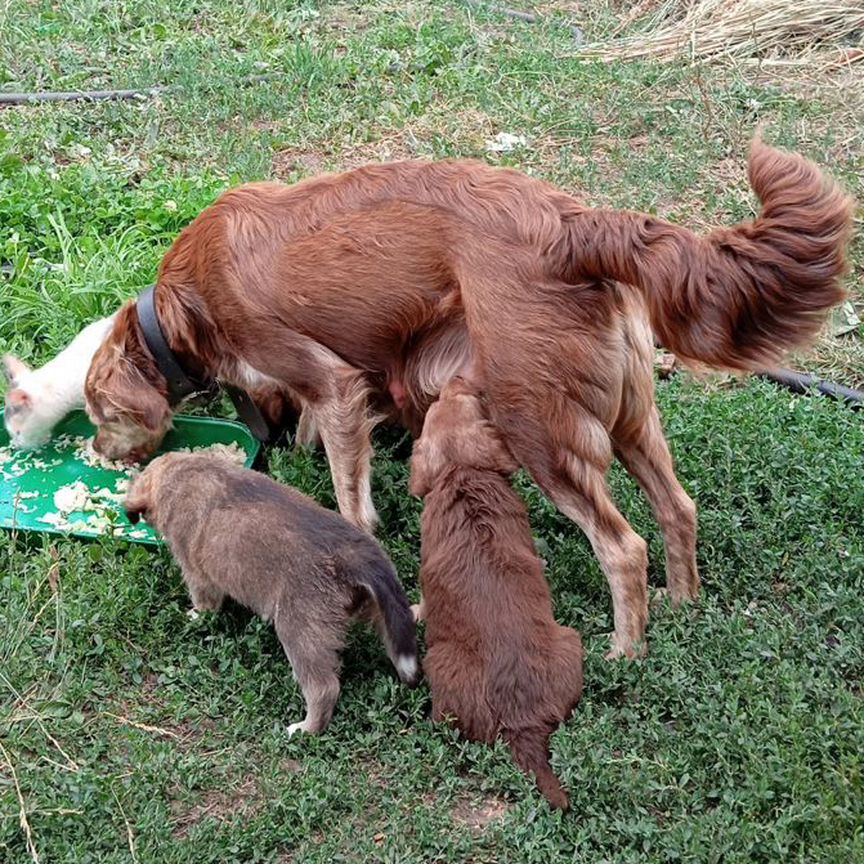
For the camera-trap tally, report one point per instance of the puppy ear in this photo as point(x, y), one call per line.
point(492, 452)
point(18, 398)
point(14, 369)
point(420, 481)
point(137, 501)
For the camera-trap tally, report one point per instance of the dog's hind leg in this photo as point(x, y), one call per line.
point(639, 443)
point(312, 649)
point(622, 553)
point(553, 383)
point(569, 459)
point(645, 454)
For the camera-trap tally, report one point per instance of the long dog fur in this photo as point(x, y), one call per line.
point(381, 282)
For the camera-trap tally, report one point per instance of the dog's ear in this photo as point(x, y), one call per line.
point(117, 380)
point(14, 369)
point(17, 398)
point(491, 452)
point(426, 464)
point(137, 502)
point(129, 392)
point(153, 409)
point(143, 401)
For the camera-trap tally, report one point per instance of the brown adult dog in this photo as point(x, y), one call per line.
point(239, 534)
point(391, 278)
point(496, 660)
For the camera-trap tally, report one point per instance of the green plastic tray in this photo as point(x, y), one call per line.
point(29, 479)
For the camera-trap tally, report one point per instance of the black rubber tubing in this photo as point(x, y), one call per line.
point(103, 95)
point(800, 382)
point(76, 96)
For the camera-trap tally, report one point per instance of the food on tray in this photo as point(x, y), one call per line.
point(77, 507)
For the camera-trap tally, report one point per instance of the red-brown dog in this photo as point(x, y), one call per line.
point(497, 662)
point(392, 278)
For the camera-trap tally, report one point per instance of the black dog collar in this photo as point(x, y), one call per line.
point(181, 385)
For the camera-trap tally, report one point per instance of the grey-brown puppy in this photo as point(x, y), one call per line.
point(239, 534)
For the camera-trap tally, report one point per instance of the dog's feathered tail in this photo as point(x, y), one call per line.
point(740, 297)
point(530, 749)
point(398, 631)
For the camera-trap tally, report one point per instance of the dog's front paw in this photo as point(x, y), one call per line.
point(659, 596)
point(688, 594)
point(296, 727)
point(193, 614)
point(630, 650)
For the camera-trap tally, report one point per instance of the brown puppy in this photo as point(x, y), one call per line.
point(389, 279)
point(239, 534)
point(496, 661)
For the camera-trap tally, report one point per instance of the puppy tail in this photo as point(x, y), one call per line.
point(739, 298)
point(396, 623)
point(530, 749)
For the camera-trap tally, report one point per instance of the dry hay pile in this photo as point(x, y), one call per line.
point(782, 32)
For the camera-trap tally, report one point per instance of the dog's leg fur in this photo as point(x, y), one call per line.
point(345, 426)
point(307, 432)
point(645, 455)
point(637, 436)
point(572, 472)
point(336, 395)
point(312, 650)
point(205, 596)
point(622, 553)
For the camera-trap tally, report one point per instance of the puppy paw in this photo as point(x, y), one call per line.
point(296, 727)
point(193, 614)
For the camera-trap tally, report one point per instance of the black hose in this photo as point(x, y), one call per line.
point(103, 95)
point(76, 96)
point(529, 17)
point(799, 382)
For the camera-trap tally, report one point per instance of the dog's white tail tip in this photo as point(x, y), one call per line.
point(406, 666)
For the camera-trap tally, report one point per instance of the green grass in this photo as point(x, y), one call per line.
point(136, 734)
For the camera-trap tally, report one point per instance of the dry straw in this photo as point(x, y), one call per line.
point(781, 32)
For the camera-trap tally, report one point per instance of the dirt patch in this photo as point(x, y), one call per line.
point(433, 136)
point(306, 163)
point(244, 799)
point(476, 814)
point(345, 19)
point(290, 766)
point(293, 162)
